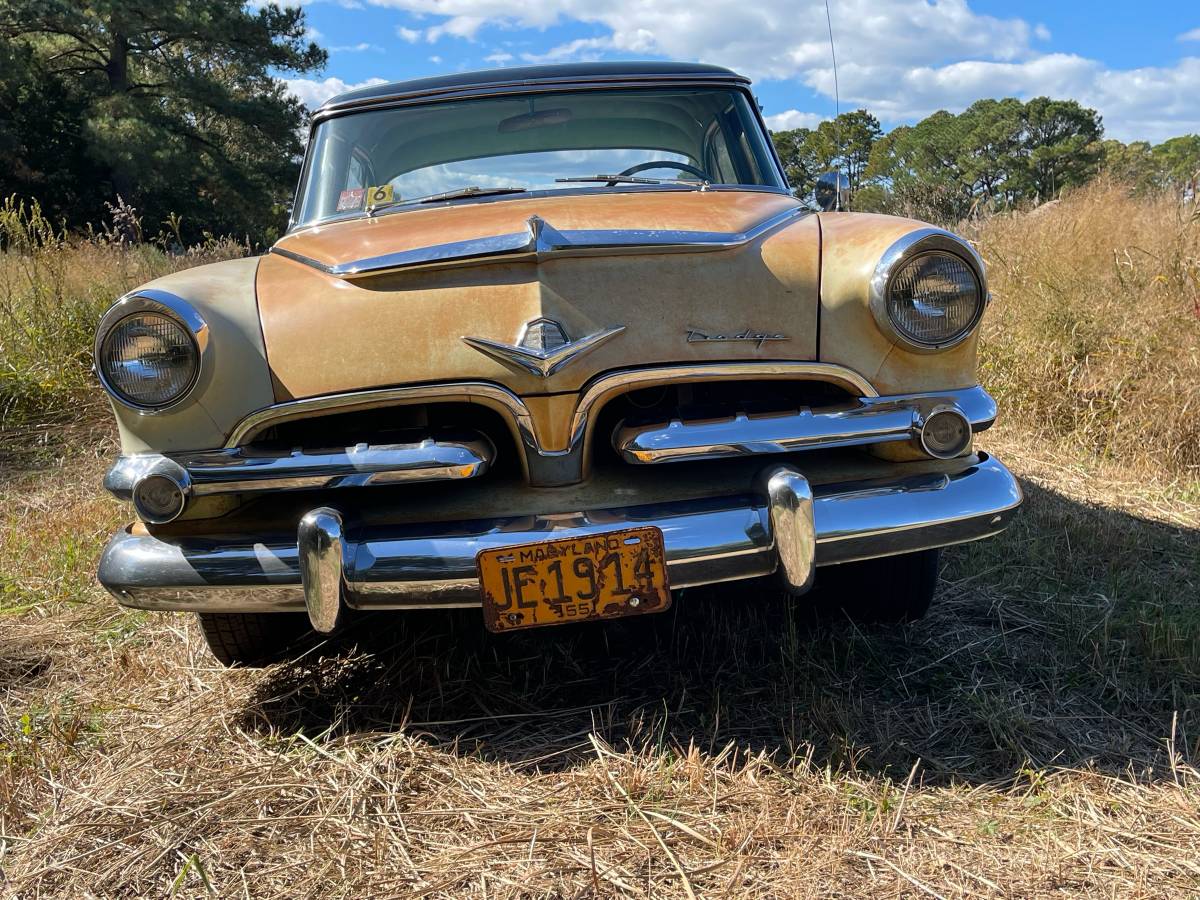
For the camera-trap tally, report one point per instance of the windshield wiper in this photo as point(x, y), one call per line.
point(456, 194)
point(635, 179)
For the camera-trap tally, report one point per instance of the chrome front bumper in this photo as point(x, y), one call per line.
point(785, 524)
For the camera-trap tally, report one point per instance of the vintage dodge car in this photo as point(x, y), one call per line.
point(553, 343)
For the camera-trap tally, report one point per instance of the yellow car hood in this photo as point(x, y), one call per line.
point(384, 301)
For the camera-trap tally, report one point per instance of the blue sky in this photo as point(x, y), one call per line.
point(1137, 63)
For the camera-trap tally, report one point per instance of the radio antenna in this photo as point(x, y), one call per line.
point(837, 100)
point(837, 103)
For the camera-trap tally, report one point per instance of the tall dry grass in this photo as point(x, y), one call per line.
point(53, 288)
point(1092, 344)
point(1093, 341)
point(1038, 736)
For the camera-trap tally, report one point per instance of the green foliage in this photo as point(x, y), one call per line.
point(1172, 165)
point(995, 153)
point(844, 143)
point(167, 104)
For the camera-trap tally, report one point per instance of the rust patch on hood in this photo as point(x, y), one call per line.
point(326, 334)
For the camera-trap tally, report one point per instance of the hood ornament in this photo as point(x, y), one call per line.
point(543, 347)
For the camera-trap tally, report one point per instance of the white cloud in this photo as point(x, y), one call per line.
point(498, 58)
point(456, 26)
point(581, 49)
point(794, 118)
point(409, 34)
point(902, 59)
point(361, 47)
point(436, 60)
point(313, 93)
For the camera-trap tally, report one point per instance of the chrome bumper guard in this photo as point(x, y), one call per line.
point(871, 420)
point(786, 524)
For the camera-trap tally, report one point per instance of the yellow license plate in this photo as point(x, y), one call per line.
point(601, 576)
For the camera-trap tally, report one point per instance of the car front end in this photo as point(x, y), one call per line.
point(492, 343)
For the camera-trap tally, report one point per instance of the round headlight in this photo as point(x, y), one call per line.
point(934, 299)
point(148, 350)
point(928, 292)
point(149, 359)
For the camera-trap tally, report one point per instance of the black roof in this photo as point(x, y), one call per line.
point(531, 75)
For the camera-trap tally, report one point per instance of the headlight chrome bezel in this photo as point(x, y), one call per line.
point(894, 260)
point(172, 307)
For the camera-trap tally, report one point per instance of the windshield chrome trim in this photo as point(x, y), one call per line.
point(540, 241)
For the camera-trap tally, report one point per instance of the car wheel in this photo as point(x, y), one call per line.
point(251, 639)
point(886, 590)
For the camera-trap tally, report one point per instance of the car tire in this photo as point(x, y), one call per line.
point(251, 639)
point(887, 590)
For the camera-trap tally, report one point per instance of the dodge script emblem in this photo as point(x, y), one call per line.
point(695, 335)
point(543, 347)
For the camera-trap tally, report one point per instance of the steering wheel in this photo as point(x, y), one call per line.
point(663, 164)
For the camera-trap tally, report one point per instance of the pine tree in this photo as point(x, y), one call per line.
point(179, 107)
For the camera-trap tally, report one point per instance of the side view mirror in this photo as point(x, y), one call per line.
point(832, 192)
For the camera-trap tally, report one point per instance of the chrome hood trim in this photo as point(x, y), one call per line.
point(540, 241)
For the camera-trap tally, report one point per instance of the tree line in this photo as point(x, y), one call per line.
point(174, 107)
point(168, 104)
point(994, 154)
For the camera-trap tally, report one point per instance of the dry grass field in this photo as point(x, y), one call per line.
point(1037, 736)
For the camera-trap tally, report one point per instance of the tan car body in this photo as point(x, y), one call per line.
point(285, 330)
point(398, 399)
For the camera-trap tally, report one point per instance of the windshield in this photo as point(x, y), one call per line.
point(683, 136)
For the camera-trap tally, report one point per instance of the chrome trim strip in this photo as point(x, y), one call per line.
point(492, 396)
point(541, 241)
point(719, 539)
point(173, 307)
point(551, 83)
point(239, 470)
point(893, 261)
point(873, 420)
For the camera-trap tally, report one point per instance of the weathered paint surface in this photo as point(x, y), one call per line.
point(312, 334)
point(325, 334)
point(852, 244)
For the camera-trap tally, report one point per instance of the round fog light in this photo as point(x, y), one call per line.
point(158, 499)
point(945, 434)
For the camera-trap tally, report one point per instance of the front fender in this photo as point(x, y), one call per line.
point(234, 380)
point(851, 246)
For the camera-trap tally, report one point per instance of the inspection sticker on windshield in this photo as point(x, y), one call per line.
point(598, 576)
point(351, 199)
point(383, 193)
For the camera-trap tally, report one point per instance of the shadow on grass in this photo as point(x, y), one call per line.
point(1072, 639)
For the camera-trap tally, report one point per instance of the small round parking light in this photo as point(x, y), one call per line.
point(158, 499)
point(945, 433)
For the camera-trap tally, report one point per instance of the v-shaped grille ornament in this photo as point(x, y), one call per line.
point(543, 347)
